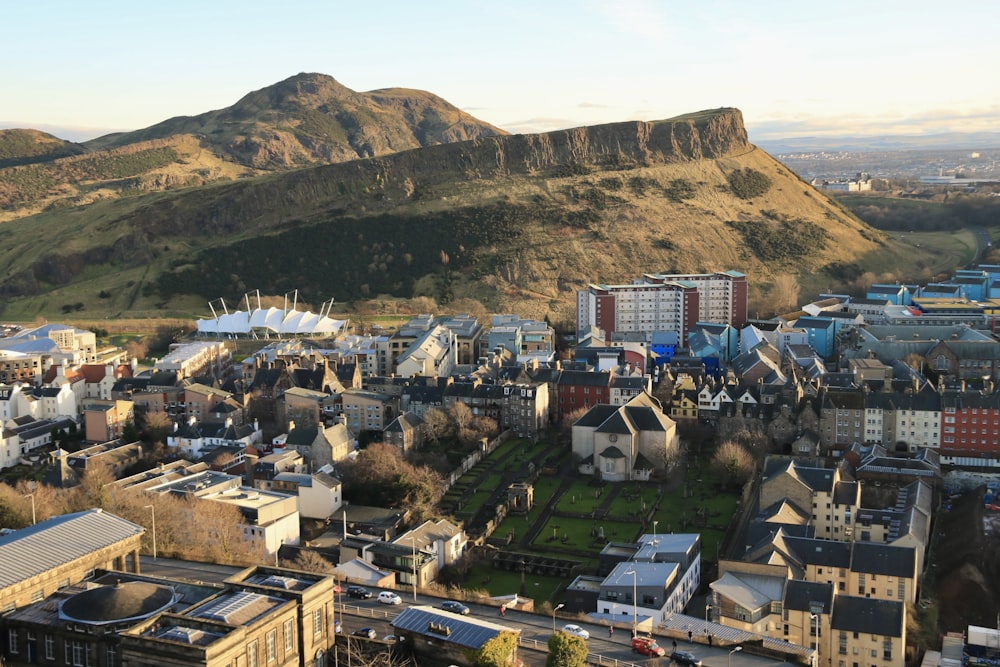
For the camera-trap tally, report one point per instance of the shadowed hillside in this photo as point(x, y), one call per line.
point(308, 119)
point(519, 222)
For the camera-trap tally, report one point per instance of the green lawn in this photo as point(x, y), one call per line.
point(482, 577)
point(633, 500)
point(477, 500)
point(581, 497)
point(582, 533)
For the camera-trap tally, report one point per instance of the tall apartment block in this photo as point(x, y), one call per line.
point(661, 302)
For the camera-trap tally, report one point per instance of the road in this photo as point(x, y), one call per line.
point(356, 614)
point(538, 628)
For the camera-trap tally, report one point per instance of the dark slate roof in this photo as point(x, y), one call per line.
point(612, 452)
point(644, 418)
point(309, 378)
point(581, 378)
point(759, 533)
point(814, 323)
point(628, 382)
point(266, 377)
point(616, 423)
point(803, 595)
point(163, 378)
point(885, 289)
point(130, 384)
point(826, 553)
point(464, 631)
point(845, 493)
point(597, 415)
point(302, 437)
point(424, 394)
point(868, 615)
point(818, 479)
point(885, 559)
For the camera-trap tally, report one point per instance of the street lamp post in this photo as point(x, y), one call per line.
point(558, 607)
point(152, 511)
point(32, 497)
point(654, 532)
point(735, 650)
point(634, 600)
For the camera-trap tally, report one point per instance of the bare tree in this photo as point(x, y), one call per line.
point(157, 426)
point(438, 424)
point(566, 425)
point(312, 561)
point(461, 415)
point(733, 463)
point(785, 292)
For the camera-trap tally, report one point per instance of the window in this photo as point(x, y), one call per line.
point(112, 655)
point(902, 589)
point(38, 596)
point(842, 643)
point(252, 660)
point(12, 640)
point(50, 648)
point(887, 649)
point(78, 654)
point(271, 646)
point(289, 636)
point(317, 622)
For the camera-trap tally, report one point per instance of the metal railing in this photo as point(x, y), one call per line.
point(592, 658)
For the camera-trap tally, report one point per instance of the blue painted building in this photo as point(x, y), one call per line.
point(897, 295)
point(822, 333)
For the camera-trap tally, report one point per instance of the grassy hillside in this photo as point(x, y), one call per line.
point(518, 223)
point(308, 119)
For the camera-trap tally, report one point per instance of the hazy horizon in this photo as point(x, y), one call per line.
point(793, 69)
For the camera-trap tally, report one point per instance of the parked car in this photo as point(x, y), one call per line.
point(685, 658)
point(387, 597)
point(358, 592)
point(455, 607)
point(576, 630)
point(647, 646)
point(367, 633)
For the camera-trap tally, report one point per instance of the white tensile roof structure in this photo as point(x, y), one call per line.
point(267, 322)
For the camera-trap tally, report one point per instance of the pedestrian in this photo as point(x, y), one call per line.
point(690, 637)
point(710, 640)
point(502, 609)
point(674, 641)
point(611, 631)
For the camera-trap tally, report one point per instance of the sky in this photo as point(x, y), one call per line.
point(793, 67)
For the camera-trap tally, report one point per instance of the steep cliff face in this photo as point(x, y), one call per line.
point(518, 221)
point(384, 183)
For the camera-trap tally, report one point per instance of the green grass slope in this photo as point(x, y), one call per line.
point(518, 222)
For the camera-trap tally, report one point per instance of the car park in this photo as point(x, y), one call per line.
point(455, 607)
point(576, 630)
point(358, 592)
point(367, 633)
point(388, 597)
point(647, 646)
point(685, 658)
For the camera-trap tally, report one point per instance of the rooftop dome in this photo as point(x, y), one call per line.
point(128, 601)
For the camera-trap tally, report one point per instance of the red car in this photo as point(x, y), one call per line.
point(647, 646)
